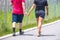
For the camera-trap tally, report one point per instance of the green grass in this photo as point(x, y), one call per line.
point(8, 31)
point(31, 20)
point(44, 22)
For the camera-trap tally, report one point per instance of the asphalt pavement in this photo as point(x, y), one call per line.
point(49, 32)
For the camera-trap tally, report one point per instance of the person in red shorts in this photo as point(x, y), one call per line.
point(18, 12)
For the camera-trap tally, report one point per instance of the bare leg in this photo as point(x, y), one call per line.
point(14, 25)
point(20, 25)
point(39, 23)
point(20, 28)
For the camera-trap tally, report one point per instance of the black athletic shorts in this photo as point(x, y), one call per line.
point(40, 13)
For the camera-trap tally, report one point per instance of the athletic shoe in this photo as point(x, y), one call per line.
point(21, 33)
point(14, 34)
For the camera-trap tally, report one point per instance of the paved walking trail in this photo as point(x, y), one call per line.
point(49, 32)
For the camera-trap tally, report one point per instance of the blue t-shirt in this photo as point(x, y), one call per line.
point(40, 4)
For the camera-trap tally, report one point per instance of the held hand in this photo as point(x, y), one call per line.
point(25, 13)
point(28, 14)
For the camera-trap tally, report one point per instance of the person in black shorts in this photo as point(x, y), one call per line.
point(39, 6)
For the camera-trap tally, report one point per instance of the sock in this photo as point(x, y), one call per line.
point(13, 30)
point(20, 30)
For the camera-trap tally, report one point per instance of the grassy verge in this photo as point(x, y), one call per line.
point(44, 22)
point(28, 26)
point(31, 20)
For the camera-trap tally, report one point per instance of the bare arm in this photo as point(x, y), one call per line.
point(47, 10)
point(24, 9)
point(33, 6)
point(11, 2)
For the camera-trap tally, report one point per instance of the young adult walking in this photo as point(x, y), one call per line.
point(39, 6)
point(18, 12)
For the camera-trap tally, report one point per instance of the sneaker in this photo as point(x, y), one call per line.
point(39, 34)
point(14, 34)
point(21, 33)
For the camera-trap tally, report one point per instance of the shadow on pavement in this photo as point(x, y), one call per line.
point(48, 35)
point(42, 35)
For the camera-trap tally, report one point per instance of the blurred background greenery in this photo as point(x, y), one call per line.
point(28, 22)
